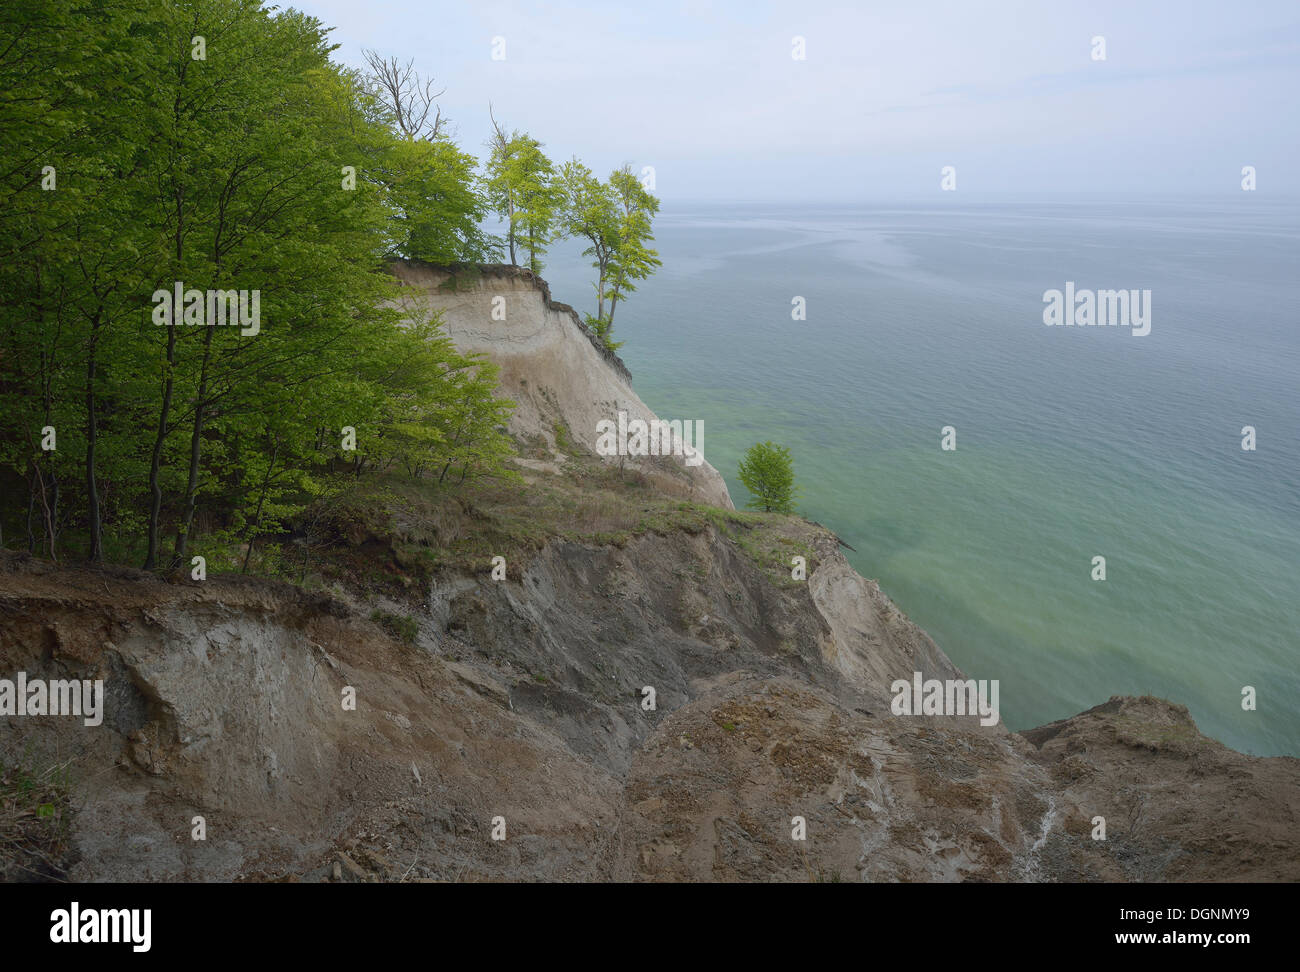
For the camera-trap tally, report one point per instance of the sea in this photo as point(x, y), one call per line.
point(1071, 442)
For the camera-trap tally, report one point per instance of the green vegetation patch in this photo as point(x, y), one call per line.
point(35, 818)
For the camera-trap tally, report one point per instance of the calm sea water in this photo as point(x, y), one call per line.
point(1071, 442)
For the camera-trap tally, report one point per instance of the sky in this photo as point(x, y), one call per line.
point(1009, 94)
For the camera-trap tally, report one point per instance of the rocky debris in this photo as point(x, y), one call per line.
point(771, 703)
point(1178, 806)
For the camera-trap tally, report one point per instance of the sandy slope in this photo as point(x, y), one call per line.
point(550, 365)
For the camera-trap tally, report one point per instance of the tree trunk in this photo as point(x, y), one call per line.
point(155, 462)
point(257, 516)
point(196, 453)
point(600, 293)
point(164, 411)
point(31, 511)
point(510, 232)
point(92, 486)
point(52, 513)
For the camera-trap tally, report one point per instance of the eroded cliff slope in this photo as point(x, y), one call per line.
point(522, 701)
point(517, 705)
point(562, 380)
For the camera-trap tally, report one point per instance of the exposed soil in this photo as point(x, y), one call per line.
point(523, 699)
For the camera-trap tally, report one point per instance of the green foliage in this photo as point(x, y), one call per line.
point(437, 207)
point(633, 260)
point(615, 220)
point(401, 627)
point(603, 328)
point(228, 172)
point(521, 187)
point(563, 439)
point(589, 211)
point(35, 819)
point(131, 165)
point(768, 473)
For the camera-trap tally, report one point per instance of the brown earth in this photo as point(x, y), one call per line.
point(522, 699)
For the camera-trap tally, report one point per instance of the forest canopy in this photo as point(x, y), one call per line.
point(198, 332)
point(213, 150)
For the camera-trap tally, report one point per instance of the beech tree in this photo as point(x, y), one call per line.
point(70, 252)
point(591, 212)
point(615, 219)
point(405, 96)
point(522, 190)
point(436, 205)
point(633, 260)
point(213, 145)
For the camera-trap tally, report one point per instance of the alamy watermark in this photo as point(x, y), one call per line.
point(241, 308)
point(1084, 308)
point(22, 696)
point(638, 437)
point(77, 925)
point(953, 696)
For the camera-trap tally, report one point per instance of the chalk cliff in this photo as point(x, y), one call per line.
point(647, 694)
point(555, 370)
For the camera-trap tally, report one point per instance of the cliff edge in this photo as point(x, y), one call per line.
point(602, 673)
point(522, 703)
point(562, 380)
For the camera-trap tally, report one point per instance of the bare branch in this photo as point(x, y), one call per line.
point(499, 133)
point(406, 96)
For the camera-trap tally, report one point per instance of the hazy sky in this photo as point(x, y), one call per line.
point(889, 93)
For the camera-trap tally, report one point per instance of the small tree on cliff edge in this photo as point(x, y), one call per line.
point(615, 218)
point(520, 183)
point(768, 472)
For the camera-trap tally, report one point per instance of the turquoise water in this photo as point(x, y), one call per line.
point(1071, 442)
